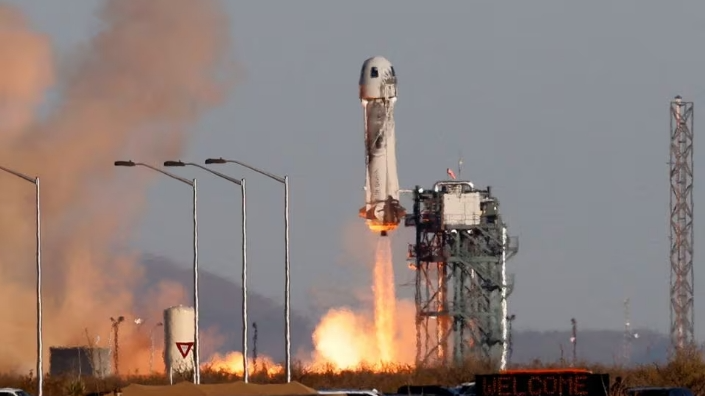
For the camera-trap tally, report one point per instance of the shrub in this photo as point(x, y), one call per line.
point(686, 368)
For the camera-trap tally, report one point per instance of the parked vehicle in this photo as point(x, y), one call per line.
point(466, 389)
point(13, 392)
point(658, 391)
point(426, 390)
point(347, 392)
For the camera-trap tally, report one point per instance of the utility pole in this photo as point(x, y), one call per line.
point(510, 339)
point(116, 326)
point(254, 348)
point(151, 346)
point(629, 335)
point(574, 341)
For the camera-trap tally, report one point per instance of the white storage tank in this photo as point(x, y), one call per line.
point(179, 337)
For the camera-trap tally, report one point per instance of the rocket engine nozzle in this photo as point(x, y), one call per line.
point(383, 216)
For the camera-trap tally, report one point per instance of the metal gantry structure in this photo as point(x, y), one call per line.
point(681, 223)
point(462, 286)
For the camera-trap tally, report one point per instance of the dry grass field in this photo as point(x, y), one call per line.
point(685, 369)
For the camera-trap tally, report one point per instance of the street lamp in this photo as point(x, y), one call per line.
point(151, 349)
point(40, 363)
point(287, 306)
point(241, 183)
point(192, 183)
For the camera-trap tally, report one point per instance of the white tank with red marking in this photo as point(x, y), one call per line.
point(179, 336)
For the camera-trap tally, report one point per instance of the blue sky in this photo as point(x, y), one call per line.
point(560, 107)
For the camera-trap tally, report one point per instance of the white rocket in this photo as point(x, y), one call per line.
point(378, 94)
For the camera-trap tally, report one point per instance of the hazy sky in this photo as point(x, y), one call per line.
point(561, 107)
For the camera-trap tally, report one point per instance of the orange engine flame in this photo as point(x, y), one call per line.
point(376, 226)
point(344, 339)
point(232, 363)
point(385, 300)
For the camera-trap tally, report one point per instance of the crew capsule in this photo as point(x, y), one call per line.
point(378, 80)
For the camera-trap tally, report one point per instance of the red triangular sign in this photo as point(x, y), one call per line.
point(184, 348)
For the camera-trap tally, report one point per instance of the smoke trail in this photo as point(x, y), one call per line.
point(385, 300)
point(26, 74)
point(140, 84)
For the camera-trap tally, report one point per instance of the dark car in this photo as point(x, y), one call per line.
point(658, 391)
point(426, 390)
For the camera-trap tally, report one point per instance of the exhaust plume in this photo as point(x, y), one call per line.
point(368, 338)
point(385, 301)
point(135, 90)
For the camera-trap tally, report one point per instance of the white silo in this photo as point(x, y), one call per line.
point(179, 336)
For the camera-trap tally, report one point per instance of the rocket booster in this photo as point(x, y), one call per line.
point(378, 94)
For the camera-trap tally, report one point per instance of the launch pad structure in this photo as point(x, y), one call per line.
point(460, 253)
point(461, 245)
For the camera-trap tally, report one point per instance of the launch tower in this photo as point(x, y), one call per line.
point(460, 255)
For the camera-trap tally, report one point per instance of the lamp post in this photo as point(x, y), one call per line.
point(242, 184)
point(192, 183)
point(38, 254)
point(287, 297)
point(151, 348)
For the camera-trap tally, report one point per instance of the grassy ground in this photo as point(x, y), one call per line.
point(685, 369)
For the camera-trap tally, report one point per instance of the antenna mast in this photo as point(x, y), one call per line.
point(681, 223)
point(460, 164)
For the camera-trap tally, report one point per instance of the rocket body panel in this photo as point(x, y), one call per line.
point(378, 88)
point(379, 144)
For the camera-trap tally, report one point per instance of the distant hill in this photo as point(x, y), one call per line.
point(220, 304)
point(598, 346)
point(221, 301)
